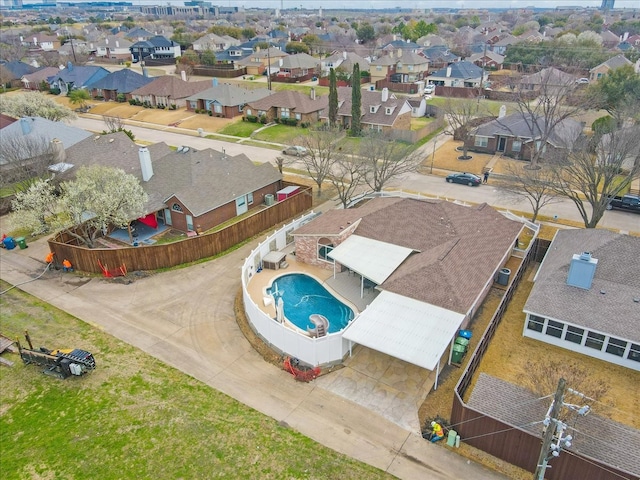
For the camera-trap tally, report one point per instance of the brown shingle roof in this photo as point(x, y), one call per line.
point(173, 87)
point(459, 247)
point(297, 101)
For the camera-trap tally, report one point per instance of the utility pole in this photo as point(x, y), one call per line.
point(269, 66)
point(551, 422)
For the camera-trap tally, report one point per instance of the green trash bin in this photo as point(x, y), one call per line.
point(457, 353)
point(22, 243)
point(462, 341)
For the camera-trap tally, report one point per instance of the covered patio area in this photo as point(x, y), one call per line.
point(141, 233)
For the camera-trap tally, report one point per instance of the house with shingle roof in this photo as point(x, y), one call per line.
point(36, 130)
point(256, 63)
point(41, 41)
point(12, 72)
point(155, 47)
point(546, 78)
point(345, 62)
point(187, 189)
point(586, 296)
point(120, 82)
point(299, 65)
point(427, 259)
point(34, 81)
point(112, 47)
point(599, 71)
point(76, 76)
point(381, 111)
point(288, 104)
point(168, 90)
point(459, 74)
point(489, 59)
point(515, 136)
point(225, 100)
point(213, 42)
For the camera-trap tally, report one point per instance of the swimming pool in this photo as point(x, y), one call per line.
point(304, 296)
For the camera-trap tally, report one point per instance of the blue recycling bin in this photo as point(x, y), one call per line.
point(465, 334)
point(9, 243)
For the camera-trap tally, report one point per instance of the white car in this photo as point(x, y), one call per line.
point(582, 81)
point(295, 150)
point(429, 89)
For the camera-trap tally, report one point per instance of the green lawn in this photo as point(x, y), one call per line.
point(135, 417)
point(281, 134)
point(241, 129)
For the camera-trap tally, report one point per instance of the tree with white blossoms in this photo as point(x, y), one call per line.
point(97, 198)
point(35, 104)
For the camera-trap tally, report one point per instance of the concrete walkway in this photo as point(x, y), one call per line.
point(185, 318)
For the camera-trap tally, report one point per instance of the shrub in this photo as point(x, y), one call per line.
point(210, 113)
point(304, 124)
point(277, 120)
point(263, 119)
point(173, 106)
point(252, 119)
point(133, 102)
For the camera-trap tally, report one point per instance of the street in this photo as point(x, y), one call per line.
point(427, 184)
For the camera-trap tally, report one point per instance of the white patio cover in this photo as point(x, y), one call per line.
point(372, 259)
point(404, 328)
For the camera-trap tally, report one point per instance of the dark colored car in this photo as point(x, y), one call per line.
point(465, 179)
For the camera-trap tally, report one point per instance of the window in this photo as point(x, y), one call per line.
point(481, 141)
point(615, 346)
point(298, 116)
point(176, 208)
point(554, 329)
point(594, 340)
point(250, 198)
point(634, 353)
point(324, 248)
point(535, 323)
point(189, 223)
point(516, 146)
point(217, 108)
point(284, 112)
point(193, 104)
point(248, 111)
point(410, 68)
point(574, 334)
point(378, 68)
point(388, 111)
point(372, 109)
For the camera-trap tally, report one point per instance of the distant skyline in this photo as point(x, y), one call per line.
point(378, 4)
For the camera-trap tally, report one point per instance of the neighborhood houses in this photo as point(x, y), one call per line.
point(261, 194)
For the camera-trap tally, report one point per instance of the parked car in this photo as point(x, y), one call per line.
point(626, 202)
point(465, 179)
point(429, 89)
point(582, 81)
point(295, 150)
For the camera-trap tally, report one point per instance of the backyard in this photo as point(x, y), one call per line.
point(135, 416)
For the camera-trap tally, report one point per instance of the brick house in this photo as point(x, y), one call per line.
point(120, 82)
point(381, 111)
point(187, 189)
point(288, 104)
point(599, 71)
point(225, 100)
point(514, 136)
point(168, 90)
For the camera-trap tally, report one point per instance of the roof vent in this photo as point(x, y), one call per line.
point(582, 270)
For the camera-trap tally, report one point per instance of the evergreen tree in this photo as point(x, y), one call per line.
point(356, 102)
point(333, 98)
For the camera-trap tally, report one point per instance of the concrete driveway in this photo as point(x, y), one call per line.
point(185, 318)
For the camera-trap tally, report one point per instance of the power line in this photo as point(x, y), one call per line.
point(466, 439)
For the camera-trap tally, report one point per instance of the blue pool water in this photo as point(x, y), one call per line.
point(303, 296)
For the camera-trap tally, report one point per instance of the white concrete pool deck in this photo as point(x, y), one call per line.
point(385, 385)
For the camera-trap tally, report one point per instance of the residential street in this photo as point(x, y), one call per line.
point(427, 184)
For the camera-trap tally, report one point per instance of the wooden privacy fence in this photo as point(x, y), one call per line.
point(153, 257)
point(509, 442)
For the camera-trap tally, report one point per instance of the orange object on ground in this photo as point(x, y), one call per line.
point(300, 373)
point(49, 257)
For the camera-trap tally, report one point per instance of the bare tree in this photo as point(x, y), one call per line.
point(12, 48)
point(558, 99)
point(460, 115)
point(23, 160)
point(386, 159)
point(603, 168)
point(114, 124)
point(534, 185)
point(347, 175)
point(322, 150)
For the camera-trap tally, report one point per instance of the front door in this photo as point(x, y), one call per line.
point(502, 142)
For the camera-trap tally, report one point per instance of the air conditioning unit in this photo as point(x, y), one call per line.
point(269, 199)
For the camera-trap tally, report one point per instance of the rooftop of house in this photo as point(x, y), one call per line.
point(457, 247)
point(612, 304)
point(172, 87)
point(301, 102)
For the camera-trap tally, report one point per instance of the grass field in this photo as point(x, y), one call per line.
point(281, 134)
point(134, 417)
point(240, 128)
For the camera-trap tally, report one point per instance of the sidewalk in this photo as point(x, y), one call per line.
point(199, 335)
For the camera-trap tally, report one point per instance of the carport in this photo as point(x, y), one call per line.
point(407, 329)
point(372, 259)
